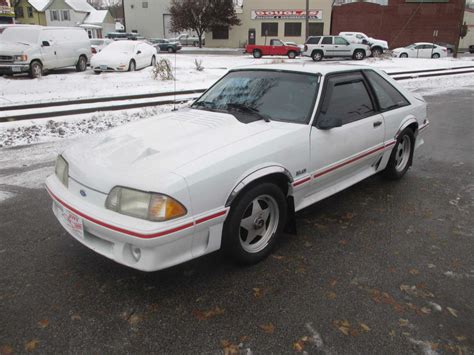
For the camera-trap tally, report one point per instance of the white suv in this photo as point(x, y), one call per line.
point(377, 46)
point(318, 47)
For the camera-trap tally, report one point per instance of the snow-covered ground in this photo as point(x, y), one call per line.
point(67, 84)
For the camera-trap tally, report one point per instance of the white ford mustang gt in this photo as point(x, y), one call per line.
point(231, 170)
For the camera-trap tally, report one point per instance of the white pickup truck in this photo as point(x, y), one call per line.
point(377, 46)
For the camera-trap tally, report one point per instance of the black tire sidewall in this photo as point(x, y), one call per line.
point(32, 65)
point(231, 231)
point(314, 54)
point(359, 51)
point(391, 171)
point(132, 63)
point(257, 54)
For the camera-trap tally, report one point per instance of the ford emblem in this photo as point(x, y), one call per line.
point(83, 193)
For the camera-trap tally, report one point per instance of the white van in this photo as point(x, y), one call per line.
point(33, 49)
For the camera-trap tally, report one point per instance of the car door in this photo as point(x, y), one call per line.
point(48, 50)
point(327, 46)
point(347, 136)
point(277, 47)
point(342, 47)
point(141, 55)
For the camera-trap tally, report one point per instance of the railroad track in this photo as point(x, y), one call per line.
point(116, 103)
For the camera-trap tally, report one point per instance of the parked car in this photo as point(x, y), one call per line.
point(421, 50)
point(35, 49)
point(318, 47)
point(123, 36)
point(377, 46)
point(187, 40)
point(276, 47)
point(471, 48)
point(232, 170)
point(164, 45)
point(124, 55)
point(448, 46)
point(97, 44)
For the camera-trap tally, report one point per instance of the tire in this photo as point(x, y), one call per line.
point(404, 55)
point(153, 61)
point(132, 66)
point(81, 64)
point(171, 50)
point(317, 56)
point(435, 55)
point(402, 156)
point(257, 53)
point(292, 54)
point(36, 69)
point(376, 52)
point(97, 72)
point(358, 54)
point(269, 221)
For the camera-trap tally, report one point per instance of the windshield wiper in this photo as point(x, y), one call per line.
point(209, 105)
point(249, 109)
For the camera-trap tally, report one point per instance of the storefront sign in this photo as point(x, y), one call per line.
point(286, 14)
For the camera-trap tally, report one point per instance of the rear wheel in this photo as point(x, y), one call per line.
point(292, 54)
point(317, 56)
point(257, 53)
point(435, 55)
point(402, 155)
point(132, 66)
point(404, 55)
point(359, 54)
point(81, 64)
point(255, 220)
point(36, 69)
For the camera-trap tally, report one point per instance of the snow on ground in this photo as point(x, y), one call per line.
point(67, 84)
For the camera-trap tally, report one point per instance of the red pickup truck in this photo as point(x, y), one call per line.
point(276, 47)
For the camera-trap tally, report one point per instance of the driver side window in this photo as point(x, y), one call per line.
point(340, 41)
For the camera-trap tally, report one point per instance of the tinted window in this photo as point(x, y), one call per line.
point(292, 29)
point(241, 92)
point(313, 40)
point(270, 29)
point(346, 98)
point(387, 96)
point(340, 40)
point(327, 40)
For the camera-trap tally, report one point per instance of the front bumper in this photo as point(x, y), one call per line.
point(161, 244)
point(12, 68)
point(108, 68)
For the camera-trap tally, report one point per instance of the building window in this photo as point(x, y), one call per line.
point(19, 12)
point(269, 28)
point(54, 15)
point(145, 4)
point(30, 11)
point(220, 32)
point(316, 28)
point(292, 29)
point(65, 16)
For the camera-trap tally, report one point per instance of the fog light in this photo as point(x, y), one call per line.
point(136, 253)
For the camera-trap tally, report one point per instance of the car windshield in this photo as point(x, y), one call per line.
point(251, 95)
point(120, 46)
point(19, 35)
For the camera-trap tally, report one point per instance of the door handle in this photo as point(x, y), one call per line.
point(377, 123)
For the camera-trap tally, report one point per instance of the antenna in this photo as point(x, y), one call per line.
point(174, 83)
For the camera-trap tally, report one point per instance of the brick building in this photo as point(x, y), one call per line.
point(401, 22)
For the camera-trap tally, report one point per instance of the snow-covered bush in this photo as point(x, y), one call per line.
point(198, 64)
point(163, 70)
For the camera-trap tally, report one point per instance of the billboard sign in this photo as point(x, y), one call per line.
point(286, 14)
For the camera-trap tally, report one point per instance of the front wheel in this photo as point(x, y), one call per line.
point(36, 70)
point(376, 52)
point(402, 155)
point(132, 66)
point(255, 220)
point(404, 55)
point(153, 61)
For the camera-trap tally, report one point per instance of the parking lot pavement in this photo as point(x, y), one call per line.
point(383, 267)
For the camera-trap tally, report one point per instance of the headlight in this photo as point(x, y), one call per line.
point(62, 170)
point(145, 205)
point(20, 58)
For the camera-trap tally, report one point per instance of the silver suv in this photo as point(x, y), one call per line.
point(318, 47)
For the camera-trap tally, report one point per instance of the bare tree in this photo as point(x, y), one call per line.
point(202, 15)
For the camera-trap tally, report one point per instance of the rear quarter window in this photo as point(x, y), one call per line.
point(388, 97)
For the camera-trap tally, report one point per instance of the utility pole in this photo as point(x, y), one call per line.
point(461, 21)
point(306, 31)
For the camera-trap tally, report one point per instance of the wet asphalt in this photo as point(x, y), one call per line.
point(382, 267)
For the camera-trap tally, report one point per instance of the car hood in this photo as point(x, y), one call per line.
point(10, 48)
point(382, 43)
point(155, 146)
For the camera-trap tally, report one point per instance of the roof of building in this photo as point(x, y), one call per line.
point(80, 5)
point(40, 5)
point(96, 16)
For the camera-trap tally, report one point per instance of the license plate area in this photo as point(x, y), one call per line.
point(16, 69)
point(70, 221)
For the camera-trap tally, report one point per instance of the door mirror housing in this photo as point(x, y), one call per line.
point(45, 44)
point(329, 123)
point(139, 52)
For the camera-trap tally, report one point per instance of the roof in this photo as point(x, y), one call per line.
point(319, 68)
point(96, 16)
point(40, 5)
point(80, 5)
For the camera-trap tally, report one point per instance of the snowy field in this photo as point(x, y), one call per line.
point(67, 84)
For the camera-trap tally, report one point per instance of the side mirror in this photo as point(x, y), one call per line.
point(45, 44)
point(329, 123)
point(139, 52)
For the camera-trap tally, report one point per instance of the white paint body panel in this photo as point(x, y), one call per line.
point(199, 157)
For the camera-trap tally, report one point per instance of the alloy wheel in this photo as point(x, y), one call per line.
point(403, 153)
